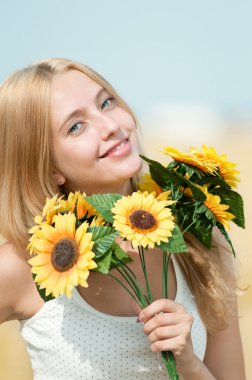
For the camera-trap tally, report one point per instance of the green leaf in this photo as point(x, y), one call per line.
point(42, 292)
point(235, 203)
point(202, 230)
point(189, 169)
point(201, 208)
point(210, 215)
point(120, 254)
point(159, 173)
point(198, 194)
point(103, 263)
point(103, 238)
point(216, 181)
point(168, 177)
point(103, 203)
point(225, 234)
point(184, 211)
point(176, 243)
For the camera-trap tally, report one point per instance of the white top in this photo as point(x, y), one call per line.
point(70, 340)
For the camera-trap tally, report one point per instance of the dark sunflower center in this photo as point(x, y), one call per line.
point(142, 220)
point(64, 254)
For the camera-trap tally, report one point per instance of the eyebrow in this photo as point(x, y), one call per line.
point(79, 111)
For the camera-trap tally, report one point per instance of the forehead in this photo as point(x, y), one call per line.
point(72, 90)
point(73, 82)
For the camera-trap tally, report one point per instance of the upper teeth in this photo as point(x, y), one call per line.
point(118, 146)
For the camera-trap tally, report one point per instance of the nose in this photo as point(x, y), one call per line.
point(106, 125)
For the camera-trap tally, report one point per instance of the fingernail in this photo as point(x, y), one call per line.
point(141, 317)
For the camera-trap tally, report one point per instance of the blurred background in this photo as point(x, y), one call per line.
point(184, 67)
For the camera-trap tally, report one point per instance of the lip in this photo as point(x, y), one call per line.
point(116, 152)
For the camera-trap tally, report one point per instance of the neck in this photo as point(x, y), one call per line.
point(124, 189)
point(127, 189)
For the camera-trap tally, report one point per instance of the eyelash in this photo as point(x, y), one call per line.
point(110, 98)
point(70, 128)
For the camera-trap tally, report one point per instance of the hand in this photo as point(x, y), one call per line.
point(168, 327)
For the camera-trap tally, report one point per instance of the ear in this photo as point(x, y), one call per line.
point(59, 179)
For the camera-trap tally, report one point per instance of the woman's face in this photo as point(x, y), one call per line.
point(94, 138)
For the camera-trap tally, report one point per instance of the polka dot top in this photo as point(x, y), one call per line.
point(70, 340)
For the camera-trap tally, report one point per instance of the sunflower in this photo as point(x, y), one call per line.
point(64, 255)
point(148, 184)
point(227, 168)
point(190, 159)
point(97, 221)
point(52, 207)
point(219, 210)
point(78, 201)
point(143, 219)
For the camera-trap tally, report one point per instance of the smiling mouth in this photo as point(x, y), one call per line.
point(116, 148)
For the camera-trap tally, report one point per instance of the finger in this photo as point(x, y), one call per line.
point(161, 305)
point(163, 333)
point(164, 319)
point(177, 345)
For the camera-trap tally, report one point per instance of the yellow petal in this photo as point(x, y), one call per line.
point(85, 242)
point(38, 219)
point(43, 275)
point(61, 285)
point(68, 289)
point(91, 265)
point(50, 283)
point(82, 262)
point(41, 246)
point(73, 275)
point(50, 233)
point(83, 283)
point(40, 260)
point(164, 196)
point(81, 230)
point(42, 268)
point(65, 224)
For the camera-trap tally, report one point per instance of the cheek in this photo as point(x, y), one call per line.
point(131, 125)
point(125, 120)
point(74, 154)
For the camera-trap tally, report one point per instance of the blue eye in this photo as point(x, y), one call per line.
point(75, 128)
point(107, 102)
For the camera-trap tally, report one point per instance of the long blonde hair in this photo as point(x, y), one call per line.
point(211, 275)
point(26, 158)
point(26, 162)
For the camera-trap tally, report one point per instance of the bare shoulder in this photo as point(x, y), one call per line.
point(18, 294)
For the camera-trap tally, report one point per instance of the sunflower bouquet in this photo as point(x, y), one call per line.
point(202, 185)
point(82, 233)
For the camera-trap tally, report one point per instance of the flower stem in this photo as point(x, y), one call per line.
point(127, 290)
point(170, 364)
point(142, 258)
point(167, 356)
point(165, 274)
point(133, 282)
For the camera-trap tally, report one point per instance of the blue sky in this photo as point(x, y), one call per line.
point(152, 51)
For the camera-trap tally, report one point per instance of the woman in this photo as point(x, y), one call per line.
point(64, 128)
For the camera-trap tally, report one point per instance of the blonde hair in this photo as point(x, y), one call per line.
point(26, 162)
point(211, 275)
point(26, 158)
